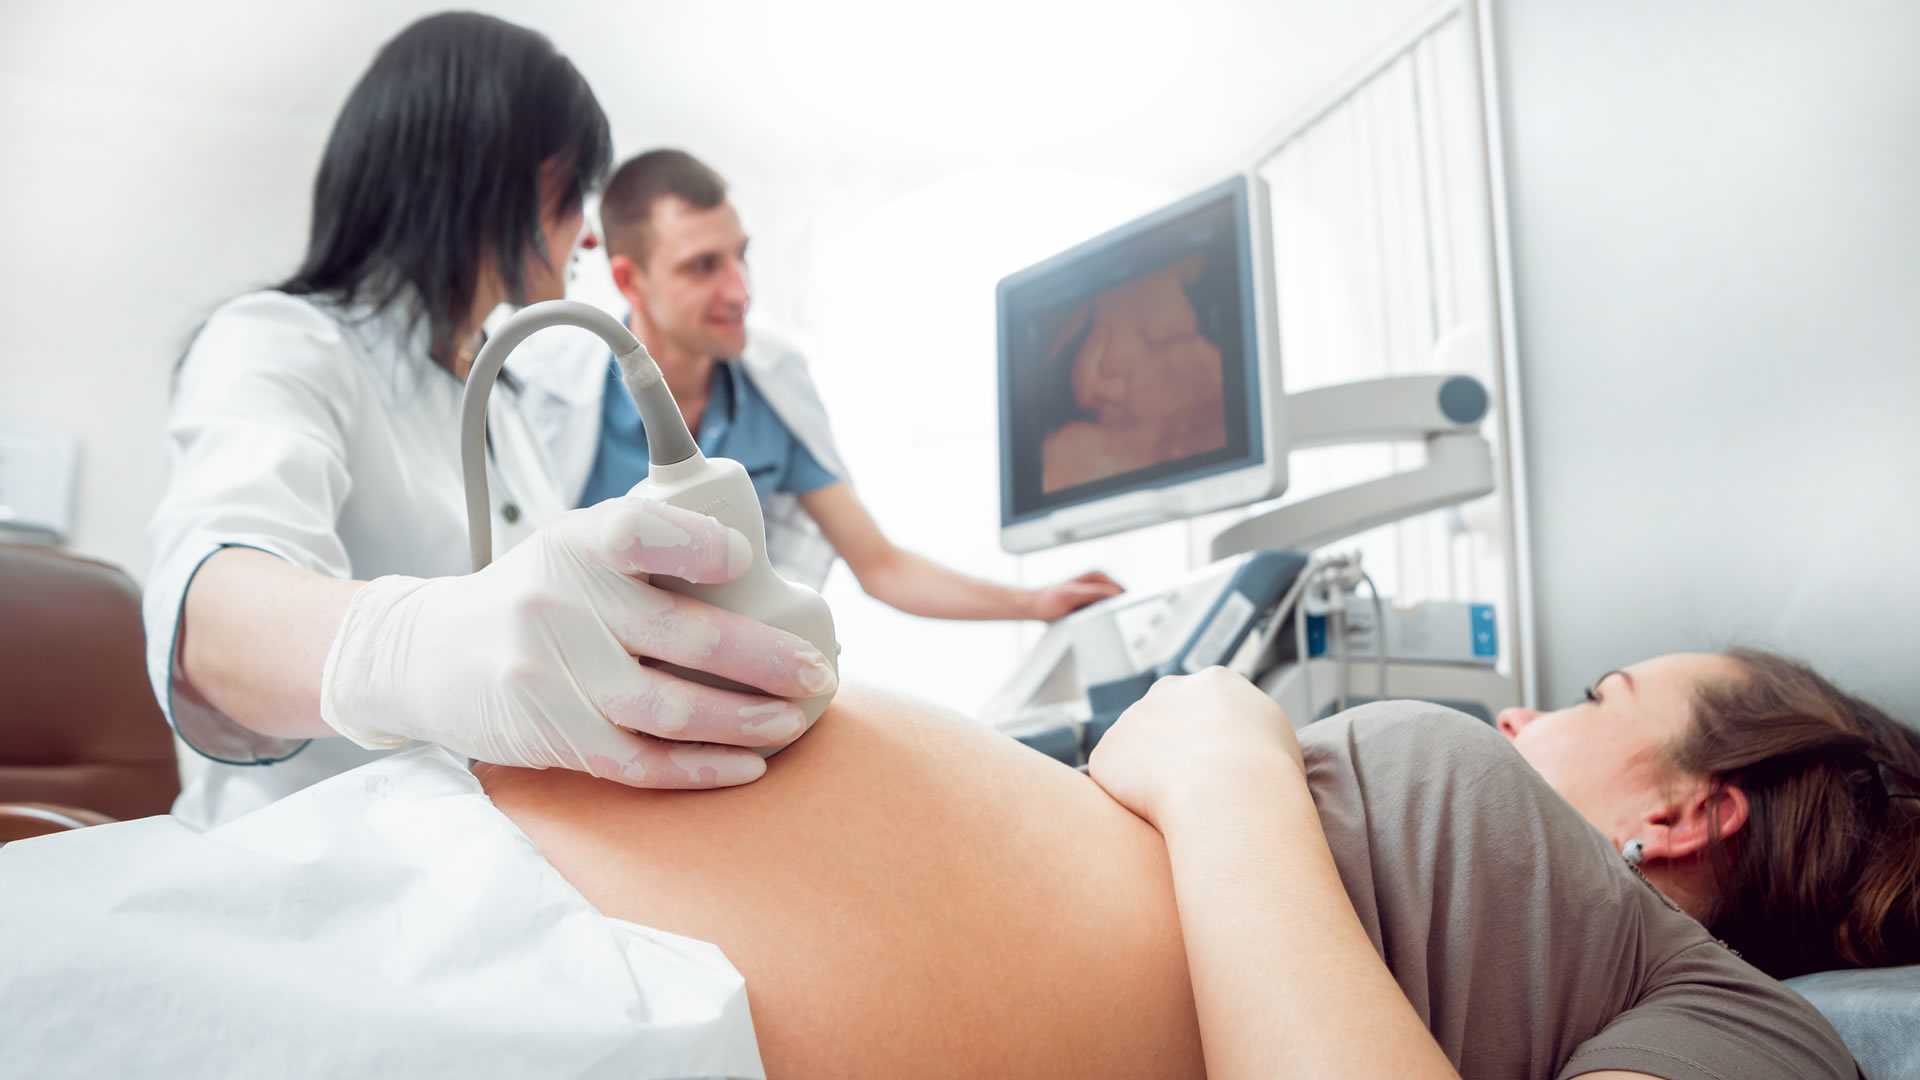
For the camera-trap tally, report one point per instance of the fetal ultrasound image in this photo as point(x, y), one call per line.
point(1145, 378)
point(1126, 363)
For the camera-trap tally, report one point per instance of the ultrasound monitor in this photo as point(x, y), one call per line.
point(1139, 375)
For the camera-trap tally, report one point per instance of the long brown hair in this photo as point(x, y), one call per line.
point(1826, 871)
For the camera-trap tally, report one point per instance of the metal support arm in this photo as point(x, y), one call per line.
point(1459, 467)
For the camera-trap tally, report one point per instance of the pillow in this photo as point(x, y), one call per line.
point(1877, 1011)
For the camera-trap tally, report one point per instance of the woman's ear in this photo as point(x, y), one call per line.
point(1686, 827)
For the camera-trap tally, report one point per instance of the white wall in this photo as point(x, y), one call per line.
point(1381, 254)
point(1716, 244)
point(130, 206)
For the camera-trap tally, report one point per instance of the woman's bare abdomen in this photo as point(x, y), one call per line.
point(907, 894)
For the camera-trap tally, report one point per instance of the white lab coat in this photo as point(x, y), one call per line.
point(564, 371)
point(327, 437)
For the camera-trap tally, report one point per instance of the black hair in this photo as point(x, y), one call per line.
point(435, 163)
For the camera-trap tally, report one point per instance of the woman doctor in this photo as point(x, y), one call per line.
point(308, 608)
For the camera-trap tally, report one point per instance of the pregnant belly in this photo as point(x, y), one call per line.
point(906, 893)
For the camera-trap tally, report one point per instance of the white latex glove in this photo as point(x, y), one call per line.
point(531, 661)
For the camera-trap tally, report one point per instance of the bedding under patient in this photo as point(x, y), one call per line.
point(907, 894)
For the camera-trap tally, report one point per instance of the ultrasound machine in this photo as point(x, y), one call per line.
point(1139, 382)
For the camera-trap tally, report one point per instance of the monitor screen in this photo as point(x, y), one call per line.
point(1132, 361)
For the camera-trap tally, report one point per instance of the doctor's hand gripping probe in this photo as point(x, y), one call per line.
point(678, 474)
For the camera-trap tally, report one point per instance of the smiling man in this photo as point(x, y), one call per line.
point(679, 256)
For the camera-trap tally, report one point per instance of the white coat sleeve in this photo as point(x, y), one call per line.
point(258, 436)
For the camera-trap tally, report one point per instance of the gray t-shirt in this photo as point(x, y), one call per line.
point(1523, 940)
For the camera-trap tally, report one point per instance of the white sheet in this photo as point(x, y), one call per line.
point(385, 922)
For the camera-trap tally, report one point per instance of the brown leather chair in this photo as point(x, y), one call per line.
point(19, 821)
point(80, 734)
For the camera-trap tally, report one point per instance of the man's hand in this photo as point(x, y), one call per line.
point(1071, 595)
point(1194, 735)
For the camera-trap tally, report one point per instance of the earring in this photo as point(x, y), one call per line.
point(1633, 852)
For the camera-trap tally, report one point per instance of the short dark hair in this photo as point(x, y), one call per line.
point(626, 209)
point(435, 163)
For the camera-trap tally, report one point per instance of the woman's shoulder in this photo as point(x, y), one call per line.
point(1512, 924)
point(1410, 739)
point(270, 311)
point(1414, 783)
point(266, 329)
point(313, 338)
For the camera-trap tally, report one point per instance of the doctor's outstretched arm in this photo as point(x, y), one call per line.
point(919, 586)
point(530, 662)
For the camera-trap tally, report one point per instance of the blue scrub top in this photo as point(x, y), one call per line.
point(738, 424)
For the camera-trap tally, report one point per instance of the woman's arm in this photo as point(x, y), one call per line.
point(1285, 979)
point(530, 661)
point(255, 639)
point(1270, 934)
